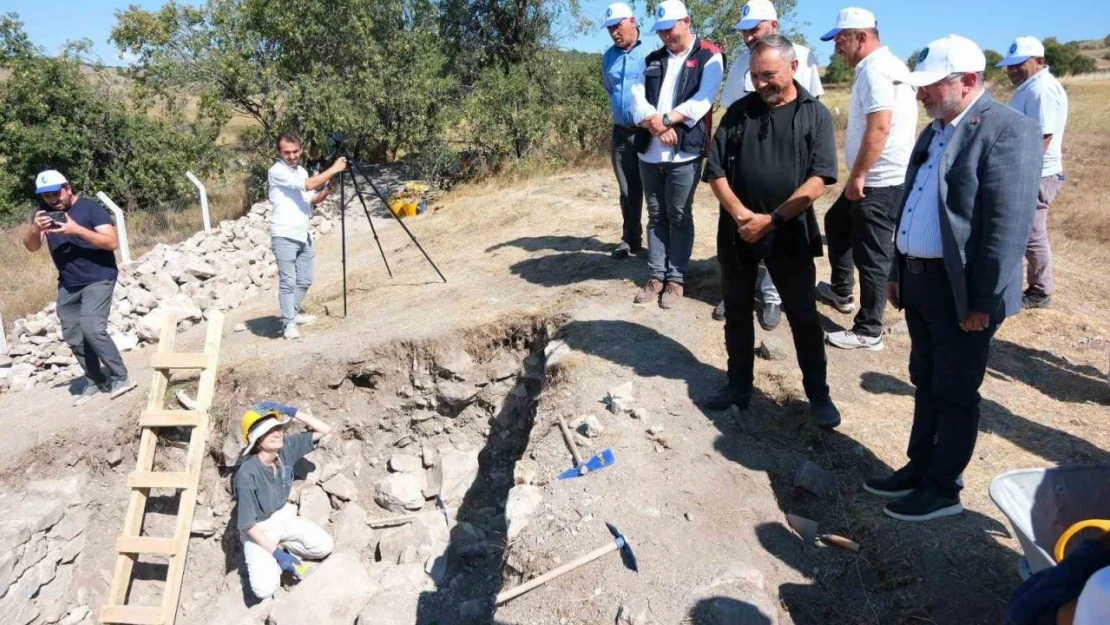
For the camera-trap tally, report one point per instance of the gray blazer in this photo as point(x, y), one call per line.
point(989, 177)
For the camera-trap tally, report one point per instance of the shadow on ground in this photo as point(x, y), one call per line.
point(952, 571)
point(1048, 373)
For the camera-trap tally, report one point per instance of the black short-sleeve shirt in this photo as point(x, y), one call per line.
point(261, 490)
point(768, 153)
point(79, 262)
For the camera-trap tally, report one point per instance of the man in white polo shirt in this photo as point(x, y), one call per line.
point(292, 196)
point(1039, 96)
point(758, 19)
point(882, 123)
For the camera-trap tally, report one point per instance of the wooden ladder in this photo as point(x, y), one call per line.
point(132, 543)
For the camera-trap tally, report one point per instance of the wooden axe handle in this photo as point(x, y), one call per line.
point(840, 541)
point(570, 442)
point(512, 593)
point(395, 520)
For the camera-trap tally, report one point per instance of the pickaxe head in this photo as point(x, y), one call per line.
point(627, 557)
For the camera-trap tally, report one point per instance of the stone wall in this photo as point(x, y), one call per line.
point(190, 279)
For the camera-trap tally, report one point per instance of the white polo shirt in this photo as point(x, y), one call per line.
point(693, 109)
point(739, 81)
point(290, 202)
point(872, 91)
point(1043, 98)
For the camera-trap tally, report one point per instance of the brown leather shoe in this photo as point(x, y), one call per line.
point(672, 293)
point(651, 291)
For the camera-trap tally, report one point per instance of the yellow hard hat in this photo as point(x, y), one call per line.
point(257, 422)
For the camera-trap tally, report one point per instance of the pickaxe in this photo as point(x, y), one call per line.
point(598, 461)
point(619, 544)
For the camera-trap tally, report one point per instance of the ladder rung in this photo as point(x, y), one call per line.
point(132, 615)
point(146, 544)
point(169, 418)
point(178, 480)
point(182, 361)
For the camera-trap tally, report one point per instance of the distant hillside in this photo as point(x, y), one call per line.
point(1099, 50)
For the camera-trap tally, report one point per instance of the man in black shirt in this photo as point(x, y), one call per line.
point(82, 239)
point(771, 157)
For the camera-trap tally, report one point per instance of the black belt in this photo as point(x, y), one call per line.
point(924, 265)
point(626, 128)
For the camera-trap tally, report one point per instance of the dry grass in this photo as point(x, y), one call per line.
point(29, 281)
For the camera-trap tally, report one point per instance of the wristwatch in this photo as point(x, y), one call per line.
point(667, 120)
point(777, 220)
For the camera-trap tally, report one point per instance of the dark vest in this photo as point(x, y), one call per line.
point(695, 139)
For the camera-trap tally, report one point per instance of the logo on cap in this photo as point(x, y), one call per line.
point(921, 57)
point(747, 9)
point(1013, 47)
point(659, 12)
point(609, 12)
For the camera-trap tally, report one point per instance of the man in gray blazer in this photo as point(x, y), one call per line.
point(971, 190)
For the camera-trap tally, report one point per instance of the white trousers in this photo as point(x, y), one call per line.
point(298, 535)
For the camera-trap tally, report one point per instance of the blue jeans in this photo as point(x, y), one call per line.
point(669, 189)
point(296, 263)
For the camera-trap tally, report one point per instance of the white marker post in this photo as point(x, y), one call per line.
point(203, 201)
point(121, 226)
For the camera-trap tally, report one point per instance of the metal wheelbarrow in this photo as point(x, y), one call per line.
point(1041, 504)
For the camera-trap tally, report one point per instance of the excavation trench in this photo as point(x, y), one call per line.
point(452, 416)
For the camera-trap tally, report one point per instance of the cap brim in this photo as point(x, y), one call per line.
point(663, 25)
point(922, 79)
point(49, 188)
point(747, 24)
point(613, 21)
point(831, 34)
point(1012, 60)
point(264, 429)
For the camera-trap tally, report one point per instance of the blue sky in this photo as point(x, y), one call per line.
point(904, 25)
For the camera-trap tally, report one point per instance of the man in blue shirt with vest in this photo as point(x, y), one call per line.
point(621, 66)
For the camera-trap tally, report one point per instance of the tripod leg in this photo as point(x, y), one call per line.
point(373, 186)
point(358, 194)
point(343, 238)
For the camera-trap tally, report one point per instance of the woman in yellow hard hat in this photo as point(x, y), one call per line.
point(272, 532)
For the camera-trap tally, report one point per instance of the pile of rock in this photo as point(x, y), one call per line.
point(189, 279)
point(42, 533)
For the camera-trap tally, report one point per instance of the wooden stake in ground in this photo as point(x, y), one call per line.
point(132, 542)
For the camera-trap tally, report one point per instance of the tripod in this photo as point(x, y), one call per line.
point(353, 167)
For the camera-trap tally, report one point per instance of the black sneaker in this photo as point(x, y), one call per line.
point(1033, 299)
point(899, 484)
point(826, 294)
point(770, 317)
point(825, 413)
point(726, 398)
point(923, 505)
point(719, 312)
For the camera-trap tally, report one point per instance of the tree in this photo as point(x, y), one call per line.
point(838, 72)
point(55, 114)
point(994, 74)
point(1067, 59)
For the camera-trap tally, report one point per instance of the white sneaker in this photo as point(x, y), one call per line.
point(291, 332)
point(850, 340)
point(846, 305)
point(304, 320)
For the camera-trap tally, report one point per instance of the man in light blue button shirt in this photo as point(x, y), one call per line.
point(621, 66)
point(971, 191)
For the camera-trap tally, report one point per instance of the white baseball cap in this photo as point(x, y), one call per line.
point(616, 13)
point(669, 12)
point(49, 180)
point(851, 18)
point(754, 13)
point(945, 56)
point(1021, 49)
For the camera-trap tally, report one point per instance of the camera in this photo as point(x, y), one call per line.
point(337, 141)
point(58, 217)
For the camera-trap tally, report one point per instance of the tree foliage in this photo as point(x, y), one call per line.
point(55, 113)
point(1066, 59)
point(838, 72)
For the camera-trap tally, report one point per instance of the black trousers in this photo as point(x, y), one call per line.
point(861, 236)
point(626, 166)
point(794, 277)
point(947, 366)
